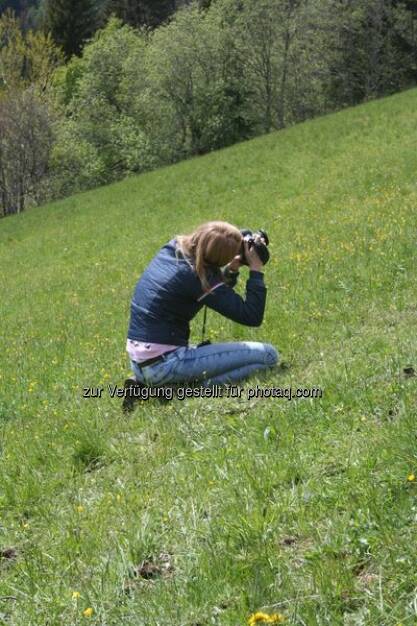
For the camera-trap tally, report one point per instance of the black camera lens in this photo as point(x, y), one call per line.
point(260, 247)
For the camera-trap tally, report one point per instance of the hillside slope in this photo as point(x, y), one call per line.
point(208, 511)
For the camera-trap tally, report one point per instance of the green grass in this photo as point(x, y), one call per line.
point(297, 507)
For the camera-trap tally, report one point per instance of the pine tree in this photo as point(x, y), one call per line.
point(150, 13)
point(70, 22)
point(366, 61)
point(14, 5)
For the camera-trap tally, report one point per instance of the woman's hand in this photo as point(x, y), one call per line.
point(235, 264)
point(254, 261)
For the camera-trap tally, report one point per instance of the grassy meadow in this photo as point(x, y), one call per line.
point(216, 511)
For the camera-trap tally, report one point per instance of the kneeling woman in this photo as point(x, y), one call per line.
point(187, 273)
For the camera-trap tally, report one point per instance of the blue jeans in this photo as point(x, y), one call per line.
point(214, 364)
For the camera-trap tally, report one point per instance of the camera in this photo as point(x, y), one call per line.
point(260, 247)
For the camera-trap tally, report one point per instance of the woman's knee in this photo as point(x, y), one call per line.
point(271, 355)
point(263, 352)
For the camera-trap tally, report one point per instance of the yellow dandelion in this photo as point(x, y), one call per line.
point(411, 478)
point(75, 595)
point(266, 618)
point(80, 508)
point(88, 612)
point(257, 617)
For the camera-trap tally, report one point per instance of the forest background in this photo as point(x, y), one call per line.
point(92, 91)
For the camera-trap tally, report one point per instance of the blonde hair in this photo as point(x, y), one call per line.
point(211, 244)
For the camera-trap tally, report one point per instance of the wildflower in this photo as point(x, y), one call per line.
point(75, 595)
point(80, 508)
point(266, 618)
point(88, 612)
point(411, 478)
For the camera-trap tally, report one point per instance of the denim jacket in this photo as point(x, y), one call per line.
point(169, 294)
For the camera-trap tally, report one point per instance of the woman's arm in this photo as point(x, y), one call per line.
point(230, 277)
point(230, 273)
point(248, 311)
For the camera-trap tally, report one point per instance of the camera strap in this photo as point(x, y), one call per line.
point(203, 331)
point(206, 293)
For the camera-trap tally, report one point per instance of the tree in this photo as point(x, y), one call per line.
point(150, 13)
point(25, 58)
point(307, 65)
point(12, 52)
point(102, 137)
point(24, 9)
point(70, 22)
point(25, 145)
point(195, 84)
point(267, 32)
point(27, 63)
point(365, 59)
point(405, 15)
